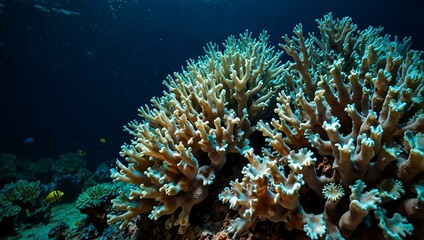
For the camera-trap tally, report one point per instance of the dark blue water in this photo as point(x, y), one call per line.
point(75, 71)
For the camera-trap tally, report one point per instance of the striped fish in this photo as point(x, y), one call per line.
point(53, 196)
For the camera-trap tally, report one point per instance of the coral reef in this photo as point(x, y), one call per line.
point(60, 231)
point(96, 196)
point(69, 163)
point(348, 132)
point(355, 99)
point(13, 168)
point(24, 207)
point(70, 173)
point(20, 202)
point(95, 202)
point(210, 111)
point(40, 170)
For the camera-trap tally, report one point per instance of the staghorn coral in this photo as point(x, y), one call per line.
point(353, 99)
point(210, 111)
point(347, 131)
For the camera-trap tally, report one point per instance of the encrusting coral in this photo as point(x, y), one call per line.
point(350, 102)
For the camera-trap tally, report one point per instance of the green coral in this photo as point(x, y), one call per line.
point(22, 192)
point(96, 196)
point(7, 210)
point(20, 201)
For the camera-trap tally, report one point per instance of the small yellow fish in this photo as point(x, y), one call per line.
point(81, 153)
point(53, 196)
point(102, 140)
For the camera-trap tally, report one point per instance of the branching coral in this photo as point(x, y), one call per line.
point(211, 108)
point(395, 227)
point(413, 207)
point(356, 99)
point(390, 189)
point(349, 102)
point(254, 200)
point(360, 205)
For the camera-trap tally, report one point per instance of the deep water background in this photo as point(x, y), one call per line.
point(70, 80)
